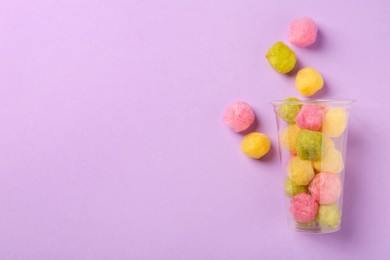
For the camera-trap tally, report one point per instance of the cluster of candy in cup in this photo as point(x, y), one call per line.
point(315, 164)
point(313, 181)
point(313, 172)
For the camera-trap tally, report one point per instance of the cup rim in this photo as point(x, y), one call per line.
point(315, 101)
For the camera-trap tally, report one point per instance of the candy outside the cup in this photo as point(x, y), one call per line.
point(281, 57)
point(302, 32)
point(255, 145)
point(308, 81)
point(239, 116)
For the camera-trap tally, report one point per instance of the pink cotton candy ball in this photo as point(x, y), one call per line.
point(302, 32)
point(311, 116)
point(325, 187)
point(239, 116)
point(303, 207)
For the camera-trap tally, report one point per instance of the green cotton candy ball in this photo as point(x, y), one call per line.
point(309, 145)
point(281, 57)
point(288, 112)
point(291, 189)
point(329, 215)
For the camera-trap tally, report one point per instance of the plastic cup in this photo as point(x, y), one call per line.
point(312, 138)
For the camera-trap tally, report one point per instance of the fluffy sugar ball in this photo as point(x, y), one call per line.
point(291, 189)
point(310, 116)
point(288, 112)
point(325, 187)
point(281, 58)
point(301, 172)
point(289, 138)
point(329, 215)
point(335, 122)
point(308, 81)
point(303, 207)
point(309, 145)
point(255, 145)
point(302, 32)
point(331, 161)
point(327, 143)
point(239, 116)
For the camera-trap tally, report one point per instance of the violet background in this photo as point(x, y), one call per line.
point(111, 140)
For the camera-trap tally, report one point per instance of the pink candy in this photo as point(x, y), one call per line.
point(325, 187)
point(303, 32)
point(239, 116)
point(303, 207)
point(310, 117)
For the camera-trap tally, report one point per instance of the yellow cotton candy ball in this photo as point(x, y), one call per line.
point(300, 171)
point(255, 145)
point(289, 138)
point(335, 122)
point(329, 215)
point(331, 161)
point(308, 81)
point(327, 143)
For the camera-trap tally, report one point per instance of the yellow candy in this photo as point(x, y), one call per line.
point(331, 161)
point(308, 81)
point(300, 171)
point(329, 215)
point(289, 138)
point(335, 122)
point(255, 145)
point(327, 143)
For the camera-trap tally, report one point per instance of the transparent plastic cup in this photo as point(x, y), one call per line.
point(312, 138)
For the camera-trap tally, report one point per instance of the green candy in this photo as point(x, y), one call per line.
point(329, 215)
point(289, 112)
point(281, 57)
point(309, 145)
point(291, 189)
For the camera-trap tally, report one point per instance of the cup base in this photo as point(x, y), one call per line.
point(314, 228)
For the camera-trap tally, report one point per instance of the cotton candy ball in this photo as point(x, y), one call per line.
point(331, 161)
point(281, 58)
point(335, 122)
point(289, 138)
point(303, 32)
point(255, 145)
point(309, 145)
point(329, 215)
point(310, 116)
point(301, 172)
point(308, 81)
point(303, 207)
point(291, 189)
point(325, 187)
point(288, 112)
point(239, 116)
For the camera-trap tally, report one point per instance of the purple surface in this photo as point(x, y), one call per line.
point(111, 140)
